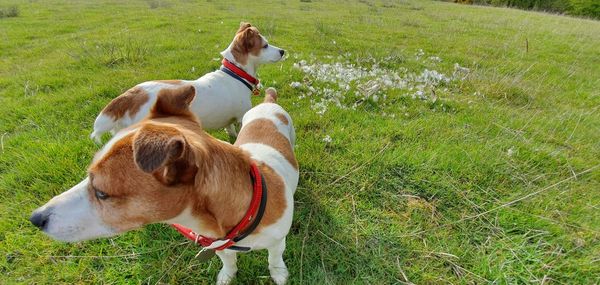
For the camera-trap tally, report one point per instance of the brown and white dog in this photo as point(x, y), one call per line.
point(221, 100)
point(166, 169)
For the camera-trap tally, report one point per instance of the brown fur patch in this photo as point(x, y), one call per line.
point(174, 102)
point(225, 186)
point(246, 41)
point(172, 82)
point(227, 191)
point(282, 118)
point(163, 151)
point(131, 101)
point(219, 191)
point(135, 198)
point(270, 95)
point(276, 202)
point(264, 131)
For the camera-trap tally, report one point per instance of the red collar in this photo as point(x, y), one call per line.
point(238, 71)
point(254, 215)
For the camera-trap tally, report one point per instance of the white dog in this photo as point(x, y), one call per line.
point(222, 96)
point(166, 169)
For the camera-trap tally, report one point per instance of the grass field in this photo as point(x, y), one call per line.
point(465, 149)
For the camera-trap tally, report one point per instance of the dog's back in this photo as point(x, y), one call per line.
point(268, 135)
point(268, 125)
point(134, 105)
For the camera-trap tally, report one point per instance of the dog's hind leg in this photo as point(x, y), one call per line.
point(229, 259)
point(231, 131)
point(277, 267)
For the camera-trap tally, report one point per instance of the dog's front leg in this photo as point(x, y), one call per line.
point(229, 259)
point(277, 267)
point(231, 132)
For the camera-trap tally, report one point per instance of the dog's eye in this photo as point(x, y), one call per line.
point(266, 46)
point(100, 195)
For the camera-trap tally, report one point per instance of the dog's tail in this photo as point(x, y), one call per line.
point(102, 125)
point(270, 95)
point(119, 113)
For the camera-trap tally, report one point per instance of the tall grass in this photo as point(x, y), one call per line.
point(9, 12)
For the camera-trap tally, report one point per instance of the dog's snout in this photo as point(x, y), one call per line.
point(39, 219)
point(281, 52)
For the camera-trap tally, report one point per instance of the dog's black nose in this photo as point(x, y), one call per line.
point(39, 219)
point(281, 52)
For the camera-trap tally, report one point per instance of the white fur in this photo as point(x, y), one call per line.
point(72, 217)
point(272, 237)
point(269, 111)
point(220, 100)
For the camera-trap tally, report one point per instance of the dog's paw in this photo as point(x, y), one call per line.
point(225, 277)
point(279, 274)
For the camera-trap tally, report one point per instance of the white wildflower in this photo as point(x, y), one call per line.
point(435, 59)
point(336, 83)
point(510, 151)
point(460, 72)
point(419, 54)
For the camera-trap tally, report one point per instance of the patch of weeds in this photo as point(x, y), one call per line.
point(370, 20)
point(374, 10)
point(13, 256)
point(415, 8)
point(31, 88)
point(508, 93)
point(324, 29)
point(388, 4)
point(366, 2)
point(112, 54)
point(131, 52)
point(153, 4)
point(312, 127)
point(9, 12)
point(441, 106)
point(393, 60)
point(411, 23)
point(222, 6)
point(306, 1)
point(331, 147)
point(267, 28)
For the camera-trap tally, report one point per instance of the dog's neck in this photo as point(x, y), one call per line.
point(249, 67)
point(223, 190)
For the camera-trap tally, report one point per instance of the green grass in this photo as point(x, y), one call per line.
point(495, 181)
point(8, 12)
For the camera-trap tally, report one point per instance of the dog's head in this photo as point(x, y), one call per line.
point(249, 47)
point(141, 176)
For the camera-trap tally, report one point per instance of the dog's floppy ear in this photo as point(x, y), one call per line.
point(247, 40)
point(174, 102)
point(164, 152)
point(243, 26)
